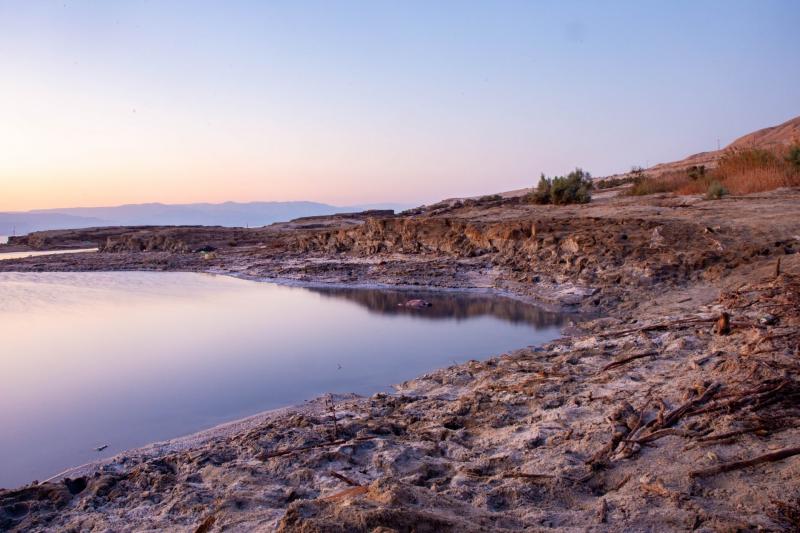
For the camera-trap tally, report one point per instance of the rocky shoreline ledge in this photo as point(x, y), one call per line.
point(676, 411)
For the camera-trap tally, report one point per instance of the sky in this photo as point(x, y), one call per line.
point(105, 103)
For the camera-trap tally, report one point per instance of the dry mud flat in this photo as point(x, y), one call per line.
point(657, 417)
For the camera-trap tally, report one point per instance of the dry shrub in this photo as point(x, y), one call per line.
point(696, 186)
point(666, 182)
point(755, 170)
point(739, 171)
point(757, 180)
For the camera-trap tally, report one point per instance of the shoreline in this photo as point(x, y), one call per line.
point(487, 290)
point(224, 429)
point(675, 408)
point(195, 439)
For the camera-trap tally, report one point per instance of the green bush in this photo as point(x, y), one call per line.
point(635, 176)
point(793, 157)
point(541, 195)
point(490, 198)
point(574, 188)
point(715, 191)
point(610, 183)
point(696, 172)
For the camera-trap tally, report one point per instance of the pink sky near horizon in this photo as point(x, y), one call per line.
point(358, 102)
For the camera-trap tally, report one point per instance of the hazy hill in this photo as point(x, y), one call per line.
point(224, 214)
point(21, 223)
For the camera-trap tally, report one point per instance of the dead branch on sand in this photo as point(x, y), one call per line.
point(626, 360)
point(738, 465)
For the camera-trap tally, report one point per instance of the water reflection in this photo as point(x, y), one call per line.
point(128, 358)
point(22, 255)
point(446, 305)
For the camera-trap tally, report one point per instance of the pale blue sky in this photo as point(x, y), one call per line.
point(345, 102)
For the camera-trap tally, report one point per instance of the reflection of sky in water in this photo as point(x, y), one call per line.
point(18, 255)
point(129, 358)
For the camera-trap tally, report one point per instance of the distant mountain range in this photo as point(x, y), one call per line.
point(234, 214)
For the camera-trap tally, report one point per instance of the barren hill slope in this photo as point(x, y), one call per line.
point(767, 138)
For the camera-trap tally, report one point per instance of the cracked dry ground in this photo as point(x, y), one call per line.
point(652, 422)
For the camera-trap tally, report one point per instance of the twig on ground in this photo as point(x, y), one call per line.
point(354, 491)
point(678, 413)
point(332, 409)
point(344, 478)
point(206, 525)
point(315, 446)
point(666, 432)
point(621, 483)
point(738, 465)
point(723, 436)
point(654, 327)
point(626, 360)
point(602, 511)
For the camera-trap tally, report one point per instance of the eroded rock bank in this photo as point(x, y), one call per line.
point(606, 255)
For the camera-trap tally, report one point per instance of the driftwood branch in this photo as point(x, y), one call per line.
point(626, 360)
point(723, 436)
point(738, 465)
point(332, 409)
point(666, 432)
point(676, 415)
point(347, 493)
point(656, 327)
point(344, 478)
point(206, 525)
point(314, 447)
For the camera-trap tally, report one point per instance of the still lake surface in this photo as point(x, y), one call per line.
point(128, 358)
point(21, 255)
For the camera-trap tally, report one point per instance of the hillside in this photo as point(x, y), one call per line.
point(766, 138)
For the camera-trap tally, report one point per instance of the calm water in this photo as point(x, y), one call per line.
point(19, 255)
point(125, 359)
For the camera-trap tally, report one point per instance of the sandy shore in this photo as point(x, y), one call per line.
point(203, 438)
point(309, 408)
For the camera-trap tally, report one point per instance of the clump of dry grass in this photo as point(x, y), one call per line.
point(666, 182)
point(754, 170)
point(740, 171)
